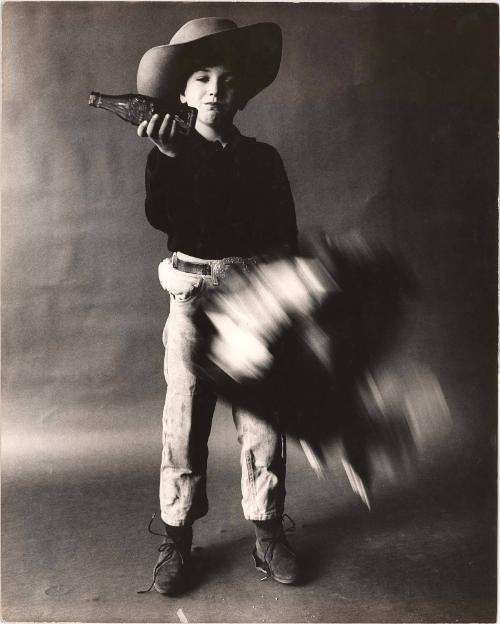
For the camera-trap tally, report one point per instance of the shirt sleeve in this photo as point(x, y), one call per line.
point(164, 184)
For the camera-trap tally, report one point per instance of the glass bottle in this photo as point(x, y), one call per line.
point(136, 108)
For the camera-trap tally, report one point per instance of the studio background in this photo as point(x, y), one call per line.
point(386, 120)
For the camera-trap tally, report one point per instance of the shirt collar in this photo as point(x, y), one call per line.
point(233, 140)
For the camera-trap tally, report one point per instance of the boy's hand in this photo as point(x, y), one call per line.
point(163, 134)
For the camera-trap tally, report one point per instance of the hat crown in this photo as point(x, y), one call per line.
point(201, 27)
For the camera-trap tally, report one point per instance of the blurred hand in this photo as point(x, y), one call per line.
point(163, 133)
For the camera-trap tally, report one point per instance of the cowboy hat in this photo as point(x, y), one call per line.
point(163, 70)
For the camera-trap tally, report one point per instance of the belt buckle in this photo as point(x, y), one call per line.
point(214, 272)
point(220, 268)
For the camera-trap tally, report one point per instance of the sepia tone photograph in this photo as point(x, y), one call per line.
point(249, 312)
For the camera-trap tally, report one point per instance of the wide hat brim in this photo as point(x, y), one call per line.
point(164, 69)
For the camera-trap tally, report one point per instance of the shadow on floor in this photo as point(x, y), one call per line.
point(75, 547)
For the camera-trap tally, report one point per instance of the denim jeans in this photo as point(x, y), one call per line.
point(187, 420)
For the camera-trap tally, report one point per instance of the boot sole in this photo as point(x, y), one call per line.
point(260, 565)
point(170, 592)
point(284, 581)
point(160, 591)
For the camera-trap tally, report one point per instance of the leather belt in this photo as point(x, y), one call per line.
point(197, 268)
point(216, 269)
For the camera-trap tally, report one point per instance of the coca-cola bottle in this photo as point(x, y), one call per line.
point(137, 108)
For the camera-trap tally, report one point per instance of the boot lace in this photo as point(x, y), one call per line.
point(168, 547)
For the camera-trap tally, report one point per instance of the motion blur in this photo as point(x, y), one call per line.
point(315, 336)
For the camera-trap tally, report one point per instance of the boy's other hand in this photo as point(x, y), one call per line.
point(162, 133)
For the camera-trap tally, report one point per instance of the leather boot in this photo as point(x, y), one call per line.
point(273, 554)
point(172, 568)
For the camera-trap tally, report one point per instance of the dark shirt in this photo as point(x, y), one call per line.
point(214, 201)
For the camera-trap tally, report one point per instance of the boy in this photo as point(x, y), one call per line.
point(222, 199)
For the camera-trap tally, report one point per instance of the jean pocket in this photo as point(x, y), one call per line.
point(183, 290)
point(181, 286)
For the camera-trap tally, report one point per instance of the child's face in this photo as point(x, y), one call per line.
point(215, 93)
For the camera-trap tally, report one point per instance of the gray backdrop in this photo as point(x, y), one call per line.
point(385, 116)
point(386, 119)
